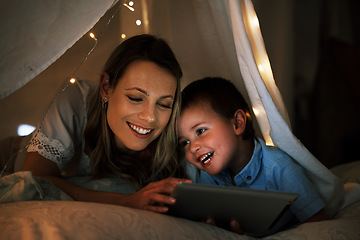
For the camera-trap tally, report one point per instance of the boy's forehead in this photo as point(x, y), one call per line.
point(202, 104)
point(200, 111)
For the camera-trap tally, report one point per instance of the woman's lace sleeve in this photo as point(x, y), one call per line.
point(62, 129)
point(51, 149)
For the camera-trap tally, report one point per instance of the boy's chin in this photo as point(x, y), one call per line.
point(212, 173)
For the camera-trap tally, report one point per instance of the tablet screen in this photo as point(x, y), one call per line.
point(255, 210)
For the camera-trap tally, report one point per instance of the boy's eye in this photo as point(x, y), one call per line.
point(200, 131)
point(184, 143)
point(134, 99)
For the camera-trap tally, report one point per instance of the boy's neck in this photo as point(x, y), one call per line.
point(246, 150)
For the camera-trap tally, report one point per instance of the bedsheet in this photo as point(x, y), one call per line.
point(66, 219)
point(83, 220)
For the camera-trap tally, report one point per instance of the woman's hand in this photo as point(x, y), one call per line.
point(155, 196)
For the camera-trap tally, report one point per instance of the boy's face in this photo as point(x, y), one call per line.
point(210, 142)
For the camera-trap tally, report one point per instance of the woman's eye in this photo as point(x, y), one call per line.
point(134, 99)
point(165, 106)
point(200, 131)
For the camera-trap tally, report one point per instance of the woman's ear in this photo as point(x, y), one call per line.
point(104, 85)
point(239, 121)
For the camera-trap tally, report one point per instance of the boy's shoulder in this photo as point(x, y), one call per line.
point(273, 155)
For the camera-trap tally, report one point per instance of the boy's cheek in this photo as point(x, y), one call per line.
point(189, 157)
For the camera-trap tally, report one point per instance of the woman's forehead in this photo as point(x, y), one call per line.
point(149, 77)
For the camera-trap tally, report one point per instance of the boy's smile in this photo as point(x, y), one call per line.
point(205, 159)
point(209, 141)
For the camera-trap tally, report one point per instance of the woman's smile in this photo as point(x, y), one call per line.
point(144, 132)
point(139, 107)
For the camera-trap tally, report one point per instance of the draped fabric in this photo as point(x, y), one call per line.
point(36, 33)
point(273, 116)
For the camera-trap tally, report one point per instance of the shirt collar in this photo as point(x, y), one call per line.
point(247, 175)
point(251, 170)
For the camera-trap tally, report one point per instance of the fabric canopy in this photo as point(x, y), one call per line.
point(37, 33)
point(266, 98)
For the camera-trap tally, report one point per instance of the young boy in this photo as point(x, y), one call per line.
point(215, 129)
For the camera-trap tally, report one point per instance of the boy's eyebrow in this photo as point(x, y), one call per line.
point(196, 125)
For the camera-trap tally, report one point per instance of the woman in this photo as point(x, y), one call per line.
point(129, 132)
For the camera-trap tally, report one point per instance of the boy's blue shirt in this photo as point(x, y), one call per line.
point(273, 170)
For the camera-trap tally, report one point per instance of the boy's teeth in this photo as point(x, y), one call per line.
point(205, 159)
point(205, 162)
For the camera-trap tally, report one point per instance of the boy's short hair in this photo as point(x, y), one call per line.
point(223, 97)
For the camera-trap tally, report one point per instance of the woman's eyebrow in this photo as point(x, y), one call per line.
point(147, 94)
point(139, 89)
point(167, 96)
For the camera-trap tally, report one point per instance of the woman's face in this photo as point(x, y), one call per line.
point(140, 106)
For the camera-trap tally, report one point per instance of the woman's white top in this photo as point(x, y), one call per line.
point(60, 137)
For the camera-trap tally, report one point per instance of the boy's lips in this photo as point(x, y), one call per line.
point(140, 130)
point(205, 159)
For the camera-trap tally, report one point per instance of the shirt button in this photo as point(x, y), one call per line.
point(248, 178)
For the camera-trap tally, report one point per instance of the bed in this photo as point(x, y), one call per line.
point(53, 215)
point(68, 219)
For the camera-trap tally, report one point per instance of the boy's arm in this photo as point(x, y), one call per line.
point(319, 216)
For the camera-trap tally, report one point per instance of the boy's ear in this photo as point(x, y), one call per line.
point(104, 85)
point(239, 122)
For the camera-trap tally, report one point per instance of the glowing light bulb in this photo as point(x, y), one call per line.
point(123, 35)
point(255, 21)
point(92, 35)
point(25, 129)
point(72, 80)
point(138, 22)
point(131, 3)
point(261, 68)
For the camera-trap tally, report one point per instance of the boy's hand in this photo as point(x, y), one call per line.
point(234, 225)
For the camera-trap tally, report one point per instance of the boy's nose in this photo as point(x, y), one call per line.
point(194, 147)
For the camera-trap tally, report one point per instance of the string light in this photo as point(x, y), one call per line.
point(129, 7)
point(131, 3)
point(138, 22)
point(255, 21)
point(255, 111)
point(72, 80)
point(261, 68)
point(92, 35)
point(123, 35)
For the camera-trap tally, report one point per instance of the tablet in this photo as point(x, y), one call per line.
point(256, 210)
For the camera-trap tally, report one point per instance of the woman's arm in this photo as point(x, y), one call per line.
point(152, 197)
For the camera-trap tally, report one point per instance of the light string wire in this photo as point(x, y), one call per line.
point(64, 88)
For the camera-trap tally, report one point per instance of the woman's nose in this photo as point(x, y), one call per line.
point(147, 115)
